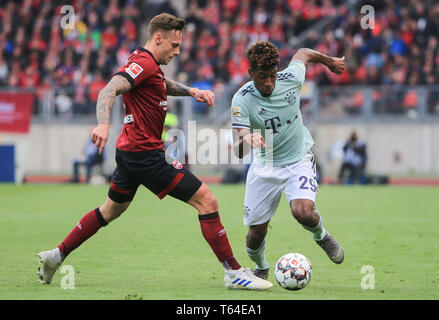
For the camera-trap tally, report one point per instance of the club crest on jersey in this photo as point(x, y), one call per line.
point(290, 97)
point(134, 70)
point(246, 211)
point(177, 164)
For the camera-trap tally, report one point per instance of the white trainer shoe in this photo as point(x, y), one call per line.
point(245, 279)
point(49, 261)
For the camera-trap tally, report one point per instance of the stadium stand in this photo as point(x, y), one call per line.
point(391, 75)
point(402, 48)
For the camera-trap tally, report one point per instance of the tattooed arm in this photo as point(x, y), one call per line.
point(116, 86)
point(174, 88)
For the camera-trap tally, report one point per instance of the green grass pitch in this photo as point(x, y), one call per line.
point(155, 250)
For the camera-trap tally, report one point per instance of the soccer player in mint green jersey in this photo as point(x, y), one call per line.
point(269, 106)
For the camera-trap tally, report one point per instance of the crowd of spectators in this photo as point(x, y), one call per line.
point(38, 51)
point(401, 49)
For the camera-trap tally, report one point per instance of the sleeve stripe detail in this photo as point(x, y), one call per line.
point(239, 125)
point(126, 76)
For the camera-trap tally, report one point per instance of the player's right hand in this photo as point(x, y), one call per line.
point(206, 96)
point(99, 136)
point(255, 140)
point(337, 65)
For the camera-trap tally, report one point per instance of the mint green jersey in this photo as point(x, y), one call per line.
point(279, 112)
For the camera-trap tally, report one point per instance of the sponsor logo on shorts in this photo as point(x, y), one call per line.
point(177, 164)
point(128, 119)
point(164, 104)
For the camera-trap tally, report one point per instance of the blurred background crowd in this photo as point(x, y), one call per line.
point(401, 49)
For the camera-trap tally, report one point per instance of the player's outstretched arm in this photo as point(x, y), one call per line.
point(336, 65)
point(116, 86)
point(174, 88)
point(243, 140)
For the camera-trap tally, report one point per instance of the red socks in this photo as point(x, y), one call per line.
point(86, 227)
point(214, 233)
point(211, 227)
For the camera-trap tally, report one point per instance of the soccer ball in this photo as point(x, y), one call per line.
point(293, 271)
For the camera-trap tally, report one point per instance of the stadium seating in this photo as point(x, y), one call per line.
point(402, 49)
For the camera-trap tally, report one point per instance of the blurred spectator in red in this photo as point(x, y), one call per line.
point(207, 41)
point(123, 53)
point(237, 67)
point(229, 8)
point(276, 31)
point(81, 80)
point(96, 85)
point(204, 64)
point(404, 40)
point(4, 70)
point(110, 38)
point(211, 13)
point(30, 77)
point(258, 32)
point(129, 31)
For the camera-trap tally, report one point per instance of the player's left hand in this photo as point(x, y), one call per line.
point(205, 96)
point(337, 65)
point(99, 136)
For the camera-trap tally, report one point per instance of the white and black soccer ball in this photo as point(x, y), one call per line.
point(293, 271)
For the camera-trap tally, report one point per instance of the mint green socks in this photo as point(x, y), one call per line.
point(258, 256)
point(318, 232)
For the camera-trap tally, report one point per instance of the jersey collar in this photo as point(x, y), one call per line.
point(147, 51)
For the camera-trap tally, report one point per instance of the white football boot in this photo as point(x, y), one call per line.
point(244, 279)
point(49, 261)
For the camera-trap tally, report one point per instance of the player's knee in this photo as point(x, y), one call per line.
point(109, 215)
point(302, 211)
point(256, 235)
point(254, 238)
point(209, 202)
point(112, 211)
point(204, 201)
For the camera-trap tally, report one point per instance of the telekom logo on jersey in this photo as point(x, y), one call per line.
point(208, 146)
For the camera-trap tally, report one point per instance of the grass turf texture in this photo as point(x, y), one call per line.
point(155, 250)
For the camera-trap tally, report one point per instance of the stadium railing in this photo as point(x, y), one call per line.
point(322, 103)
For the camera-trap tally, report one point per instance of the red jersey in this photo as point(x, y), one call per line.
point(145, 103)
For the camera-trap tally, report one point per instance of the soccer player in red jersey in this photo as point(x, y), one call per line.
point(140, 156)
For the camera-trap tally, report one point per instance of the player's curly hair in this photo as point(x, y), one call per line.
point(263, 55)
